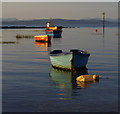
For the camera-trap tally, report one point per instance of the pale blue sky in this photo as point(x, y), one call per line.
point(66, 10)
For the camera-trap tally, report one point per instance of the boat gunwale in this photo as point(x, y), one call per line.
point(58, 54)
point(66, 53)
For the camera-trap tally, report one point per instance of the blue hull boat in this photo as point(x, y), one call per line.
point(73, 60)
point(55, 34)
point(55, 31)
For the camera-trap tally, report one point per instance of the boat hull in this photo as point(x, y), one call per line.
point(55, 33)
point(69, 61)
point(61, 61)
point(80, 60)
point(42, 38)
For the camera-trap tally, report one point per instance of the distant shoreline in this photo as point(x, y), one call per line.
point(18, 27)
point(22, 27)
point(66, 23)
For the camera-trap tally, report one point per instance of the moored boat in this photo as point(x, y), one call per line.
point(56, 31)
point(73, 60)
point(42, 38)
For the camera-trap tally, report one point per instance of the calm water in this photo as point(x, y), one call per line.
point(31, 85)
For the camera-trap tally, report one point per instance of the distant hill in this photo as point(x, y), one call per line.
point(59, 22)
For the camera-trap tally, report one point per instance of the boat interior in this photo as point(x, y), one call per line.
point(72, 50)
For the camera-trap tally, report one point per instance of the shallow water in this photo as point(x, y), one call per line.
point(30, 84)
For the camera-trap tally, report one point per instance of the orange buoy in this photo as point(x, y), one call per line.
point(96, 30)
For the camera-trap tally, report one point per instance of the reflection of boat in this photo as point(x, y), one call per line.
point(75, 59)
point(55, 31)
point(42, 44)
point(65, 79)
point(42, 48)
point(42, 38)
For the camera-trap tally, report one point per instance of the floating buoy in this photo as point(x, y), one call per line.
point(96, 30)
point(96, 77)
point(88, 78)
point(85, 78)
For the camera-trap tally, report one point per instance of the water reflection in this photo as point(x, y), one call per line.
point(42, 44)
point(67, 84)
point(67, 79)
point(82, 84)
point(42, 47)
point(57, 36)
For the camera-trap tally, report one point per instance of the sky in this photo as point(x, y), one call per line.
point(64, 10)
point(60, 0)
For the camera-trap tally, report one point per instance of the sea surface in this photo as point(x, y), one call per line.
point(30, 84)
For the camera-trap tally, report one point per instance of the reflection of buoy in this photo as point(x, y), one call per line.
point(82, 84)
point(96, 30)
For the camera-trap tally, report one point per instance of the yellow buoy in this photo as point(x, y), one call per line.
point(85, 78)
point(95, 77)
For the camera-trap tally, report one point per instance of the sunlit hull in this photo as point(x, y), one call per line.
point(42, 38)
point(69, 61)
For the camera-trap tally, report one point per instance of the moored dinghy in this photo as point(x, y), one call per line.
point(56, 31)
point(75, 59)
point(42, 38)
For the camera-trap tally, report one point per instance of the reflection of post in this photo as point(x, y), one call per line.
point(73, 79)
point(103, 23)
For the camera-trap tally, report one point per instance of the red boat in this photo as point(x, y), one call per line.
point(42, 38)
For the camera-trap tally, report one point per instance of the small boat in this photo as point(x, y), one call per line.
point(42, 38)
point(56, 31)
point(74, 60)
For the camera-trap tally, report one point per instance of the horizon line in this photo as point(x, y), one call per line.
point(63, 18)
